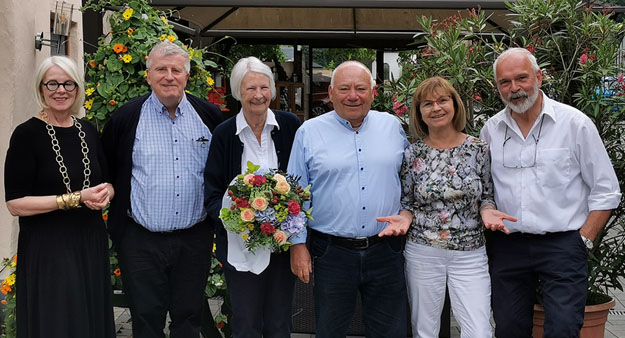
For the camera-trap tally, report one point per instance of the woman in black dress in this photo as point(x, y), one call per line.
point(54, 181)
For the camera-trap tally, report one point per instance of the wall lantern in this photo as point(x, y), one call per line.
point(61, 27)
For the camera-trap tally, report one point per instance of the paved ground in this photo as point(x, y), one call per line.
point(615, 327)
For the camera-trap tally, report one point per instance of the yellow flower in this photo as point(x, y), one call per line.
point(171, 38)
point(162, 37)
point(127, 58)
point(11, 279)
point(210, 81)
point(164, 19)
point(245, 237)
point(128, 13)
point(187, 91)
point(214, 247)
point(89, 103)
point(89, 91)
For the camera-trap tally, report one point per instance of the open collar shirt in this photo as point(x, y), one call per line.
point(168, 161)
point(263, 154)
point(561, 177)
point(354, 174)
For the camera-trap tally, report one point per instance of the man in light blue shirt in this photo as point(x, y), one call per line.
point(351, 157)
point(157, 148)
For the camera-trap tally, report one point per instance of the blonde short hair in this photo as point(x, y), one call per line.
point(69, 67)
point(418, 128)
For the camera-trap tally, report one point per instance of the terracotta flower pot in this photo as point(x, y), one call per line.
point(595, 317)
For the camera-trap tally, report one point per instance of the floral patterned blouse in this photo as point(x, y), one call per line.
point(443, 188)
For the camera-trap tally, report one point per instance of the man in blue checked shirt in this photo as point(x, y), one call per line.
point(156, 147)
point(352, 157)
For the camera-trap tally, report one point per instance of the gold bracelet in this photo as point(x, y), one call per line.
point(73, 200)
point(60, 202)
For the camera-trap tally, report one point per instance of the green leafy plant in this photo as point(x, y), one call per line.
point(8, 289)
point(116, 71)
point(459, 49)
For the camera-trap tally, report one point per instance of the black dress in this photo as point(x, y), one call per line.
point(63, 273)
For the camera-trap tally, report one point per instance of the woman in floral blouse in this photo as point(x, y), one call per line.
point(446, 187)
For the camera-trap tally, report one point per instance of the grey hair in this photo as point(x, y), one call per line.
point(516, 50)
point(355, 63)
point(69, 67)
point(166, 48)
point(242, 67)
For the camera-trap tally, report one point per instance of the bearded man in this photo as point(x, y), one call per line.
point(551, 171)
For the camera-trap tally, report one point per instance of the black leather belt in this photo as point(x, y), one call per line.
point(358, 243)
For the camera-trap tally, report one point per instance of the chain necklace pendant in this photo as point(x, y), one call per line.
point(59, 158)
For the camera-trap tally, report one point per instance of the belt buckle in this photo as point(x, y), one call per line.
point(366, 243)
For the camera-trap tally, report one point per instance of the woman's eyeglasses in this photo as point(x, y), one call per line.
point(429, 105)
point(53, 85)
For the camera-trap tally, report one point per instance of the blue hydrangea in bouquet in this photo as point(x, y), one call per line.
point(267, 208)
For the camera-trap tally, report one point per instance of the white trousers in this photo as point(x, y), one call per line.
point(429, 270)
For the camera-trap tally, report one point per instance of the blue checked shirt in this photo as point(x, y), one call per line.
point(354, 174)
point(168, 157)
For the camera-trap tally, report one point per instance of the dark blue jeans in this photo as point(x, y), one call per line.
point(377, 273)
point(518, 262)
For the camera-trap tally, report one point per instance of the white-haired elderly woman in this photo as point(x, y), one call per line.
point(261, 296)
point(54, 180)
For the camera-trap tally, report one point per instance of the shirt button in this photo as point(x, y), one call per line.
point(362, 169)
point(177, 195)
point(359, 149)
point(176, 212)
point(175, 140)
point(363, 208)
point(363, 188)
point(177, 176)
point(363, 226)
point(176, 159)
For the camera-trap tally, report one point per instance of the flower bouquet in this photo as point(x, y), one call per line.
point(266, 208)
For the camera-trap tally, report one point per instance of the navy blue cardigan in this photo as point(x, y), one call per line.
point(118, 139)
point(224, 163)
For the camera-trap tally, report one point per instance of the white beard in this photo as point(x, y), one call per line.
point(524, 105)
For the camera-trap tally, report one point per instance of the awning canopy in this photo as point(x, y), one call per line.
point(379, 24)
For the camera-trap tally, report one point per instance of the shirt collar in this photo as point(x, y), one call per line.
point(183, 106)
point(242, 123)
point(348, 124)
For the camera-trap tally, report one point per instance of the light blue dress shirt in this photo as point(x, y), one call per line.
point(354, 174)
point(168, 160)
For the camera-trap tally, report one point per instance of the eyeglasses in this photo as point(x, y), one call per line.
point(53, 85)
point(429, 105)
point(536, 139)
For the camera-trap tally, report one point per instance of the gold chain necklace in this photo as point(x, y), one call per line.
point(59, 158)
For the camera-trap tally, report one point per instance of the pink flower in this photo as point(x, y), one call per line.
point(375, 91)
point(399, 108)
point(247, 215)
point(248, 179)
point(530, 48)
point(294, 207)
point(267, 228)
point(583, 59)
point(280, 237)
point(621, 78)
point(282, 187)
point(260, 204)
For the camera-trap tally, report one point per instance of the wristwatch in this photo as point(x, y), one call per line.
point(589, 244)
